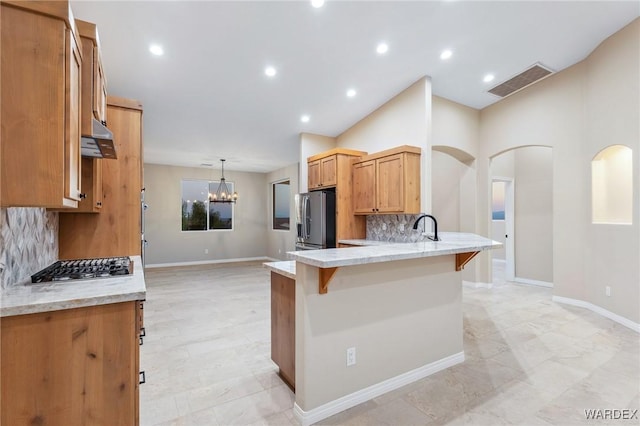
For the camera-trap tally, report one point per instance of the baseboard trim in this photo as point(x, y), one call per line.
point(533, 282)
point(474, 284)
point(207, 262)
point(334, 407)
point(600, 311)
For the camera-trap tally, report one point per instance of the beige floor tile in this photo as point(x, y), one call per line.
point(529, 361)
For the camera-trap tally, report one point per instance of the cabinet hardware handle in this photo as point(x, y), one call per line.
point(82, 196)
point(99, 203)
point(143, 379)
point(143, 332)
point(104, 123)
point(140, 341)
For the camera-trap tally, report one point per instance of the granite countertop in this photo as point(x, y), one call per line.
point(451, 243)
point(285, 267)
point(28, 298)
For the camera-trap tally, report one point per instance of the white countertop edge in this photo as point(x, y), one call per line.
point(453, 243)
point(285, 267)
point(28, 298)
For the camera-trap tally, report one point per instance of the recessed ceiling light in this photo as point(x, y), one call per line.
point(156, 49)
point(305, 118)
point(382, 48)
point(270, 71)
point(351, 93)
point(446, 54)
point(317, 3)
point(488, 78)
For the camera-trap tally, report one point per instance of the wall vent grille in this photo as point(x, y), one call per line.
point(520, 81)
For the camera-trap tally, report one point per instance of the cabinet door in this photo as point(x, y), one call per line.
point(364, 187)
point(70, 367)
point(390, 184)
point(314, 169)
point(72, 152)
point(91, 187)
point(100, 91)
point(328, 171)
point(40, 149)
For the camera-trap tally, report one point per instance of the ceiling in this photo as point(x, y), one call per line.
point(208, 97)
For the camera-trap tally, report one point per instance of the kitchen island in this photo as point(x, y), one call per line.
point(70, 350)
point(392, 311)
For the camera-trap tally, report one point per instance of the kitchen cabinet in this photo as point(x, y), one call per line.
point(94, 84)
point(323, 173)
point(40, 105)
point(73, 366)
point(116, 230)
point(283, 326)
point(387, 182)
point(333, 169)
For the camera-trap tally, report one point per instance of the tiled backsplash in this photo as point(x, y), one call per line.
point(396, 228)
point(28, 242)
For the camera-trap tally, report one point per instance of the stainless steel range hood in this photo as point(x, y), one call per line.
point(100, 143)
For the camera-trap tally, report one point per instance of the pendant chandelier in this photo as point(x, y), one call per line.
point(223, 195)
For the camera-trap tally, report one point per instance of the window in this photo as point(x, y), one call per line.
point(497, 205)
point(198, 214)
point(612, 185)
point(281, 203)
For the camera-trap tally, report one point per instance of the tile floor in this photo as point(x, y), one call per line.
point(529, 361)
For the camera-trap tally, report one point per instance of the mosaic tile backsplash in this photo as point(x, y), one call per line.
point(396, 228)
point(28, 242)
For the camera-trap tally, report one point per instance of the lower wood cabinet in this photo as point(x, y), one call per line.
point(283, 326)
point(71, 367)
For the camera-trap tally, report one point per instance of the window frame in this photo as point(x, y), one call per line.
point(273, 204)
point(209, 183)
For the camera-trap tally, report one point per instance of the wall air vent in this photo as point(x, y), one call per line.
point(535, 73)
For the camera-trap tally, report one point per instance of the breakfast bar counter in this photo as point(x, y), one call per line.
point(374, 318)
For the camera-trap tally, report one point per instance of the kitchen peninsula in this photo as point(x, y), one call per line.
point(397, 307)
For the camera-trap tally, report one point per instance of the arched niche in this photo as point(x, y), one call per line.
point(612, 186)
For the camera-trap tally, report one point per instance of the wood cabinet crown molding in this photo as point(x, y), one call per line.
point(392, 151)
point(335, 151)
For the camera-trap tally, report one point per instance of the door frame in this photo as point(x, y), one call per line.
point(509, 225)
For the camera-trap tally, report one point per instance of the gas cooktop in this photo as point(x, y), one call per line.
point(82, 269)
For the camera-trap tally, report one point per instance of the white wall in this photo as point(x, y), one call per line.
point(533, 219)
point(311, 144)
point(279, 242)
point(578, 112)
point(169, 244)
point(403, 120)
point(453, 175)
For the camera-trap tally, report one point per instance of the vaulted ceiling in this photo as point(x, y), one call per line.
point(208, 96)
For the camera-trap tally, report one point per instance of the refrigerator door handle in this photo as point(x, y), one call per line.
point(305, 217)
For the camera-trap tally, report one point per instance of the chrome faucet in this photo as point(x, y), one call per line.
point(435, 226)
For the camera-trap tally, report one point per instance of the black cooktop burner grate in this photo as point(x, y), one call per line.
point(84, 269)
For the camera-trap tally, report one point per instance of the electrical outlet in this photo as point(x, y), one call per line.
point(401, 227)
point(206, 251)
point(279, 251)
point(384, 226)
point(351, 357)
point(607, 291)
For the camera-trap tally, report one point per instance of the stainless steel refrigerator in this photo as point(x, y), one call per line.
point(316, 220)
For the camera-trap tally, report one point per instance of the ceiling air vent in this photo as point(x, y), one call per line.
point(520, 81)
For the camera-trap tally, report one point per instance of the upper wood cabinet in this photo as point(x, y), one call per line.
point(323, 173)
point(116, 230)
point(94, 84)
point(332, 169)
point(323, 168)
point(387, 182)
point(40, 105)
